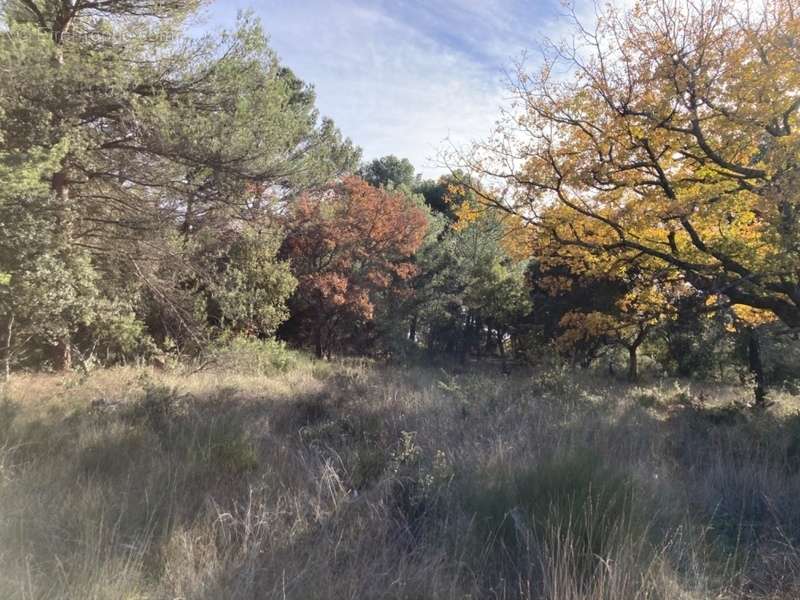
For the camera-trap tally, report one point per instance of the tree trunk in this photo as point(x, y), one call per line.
point(188, 218)
point(318, 350)
point(756, 367)
point(60, 181)
point(60, 187)
point(633, 363)
point(9, 334)
point(477, 334)
point(65, 354)
point(501, 345)
point(412, 331)
point(465, 340)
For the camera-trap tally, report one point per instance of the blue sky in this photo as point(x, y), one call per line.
point(402, 76)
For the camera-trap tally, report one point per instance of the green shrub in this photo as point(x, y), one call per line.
point(217, 442)
point(250, 355)
point(571, 502)
point(370, 463)
point(649, 400)
point(557, 380)
point(159, 410)
point(224, 445)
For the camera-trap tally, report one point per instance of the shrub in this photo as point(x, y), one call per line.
point(224, 445)
point(649, 400)
point(571, 503)
point(217, 442)
point(255, 356)
point(159, 409)
point(556, 380)
point(370, 463)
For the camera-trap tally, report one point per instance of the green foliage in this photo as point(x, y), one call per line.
point(445, 195)
point(696, 345)
point(247, 354)
point(224, 446)
point(246, 286)
point(370, 463)
point(470, 292)
point(159, 409)
point(118, 334)
point(121, 141)
point(573, 501)
point(51, 290)
point(216, 444)
point(649, 400)
point(781, 350)
point(388, 171)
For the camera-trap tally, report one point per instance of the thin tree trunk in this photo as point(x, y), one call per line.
point(59, 182)
point(477, 336)
point(318, 342)
point(9, 335)
point(633, 358)
point(633, 362)
point(188, 218)
point(504, 367)
point(465, 340)
point(756, 366)
point(65, 353)
point(60, 187)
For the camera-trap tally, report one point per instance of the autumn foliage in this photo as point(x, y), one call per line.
point(348, 244)
point(676, 138)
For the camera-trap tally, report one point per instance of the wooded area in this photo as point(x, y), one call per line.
point(491, 369)
point(163, 193)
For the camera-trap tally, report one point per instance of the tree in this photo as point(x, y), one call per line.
point(495, 295)
point(388, 171)
point(245, 287)
point(595, 299)
point(446, 194)
point(627, 323)
point(347, 244)
point(44, 293)
point(470, 294)
point(674, 136)
point(142, 133)
point(747, 321)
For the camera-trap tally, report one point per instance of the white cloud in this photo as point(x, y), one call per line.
point(390, 87)
point(403, 76)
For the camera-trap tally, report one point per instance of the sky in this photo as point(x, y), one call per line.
point(403, 77)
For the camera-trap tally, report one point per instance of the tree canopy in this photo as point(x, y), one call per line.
point(122, 139)
point(673, 137)
point(347, 244)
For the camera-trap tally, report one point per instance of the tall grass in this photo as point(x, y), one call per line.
point(255, 477)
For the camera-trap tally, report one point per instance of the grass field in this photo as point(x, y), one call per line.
point(296, 479)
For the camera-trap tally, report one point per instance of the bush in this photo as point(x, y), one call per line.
point(218, 443)
point(649, 400)
point(159, 409)
point(224, 446)
point(571, 503)
point(255, 356)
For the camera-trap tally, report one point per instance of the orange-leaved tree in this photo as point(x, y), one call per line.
point(348, 244)
point(671, 131)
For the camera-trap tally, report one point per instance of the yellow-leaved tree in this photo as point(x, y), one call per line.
point(631, 295)
point(669, 133)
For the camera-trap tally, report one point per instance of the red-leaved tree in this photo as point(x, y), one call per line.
point(348, 244)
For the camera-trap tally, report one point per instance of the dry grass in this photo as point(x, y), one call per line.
point(358, 481)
